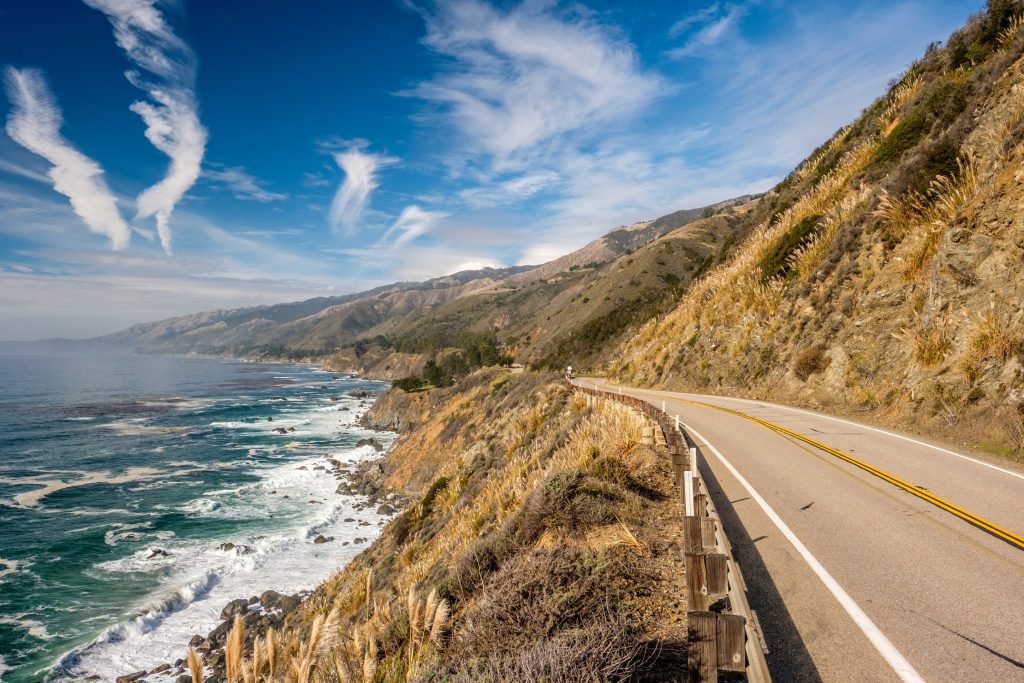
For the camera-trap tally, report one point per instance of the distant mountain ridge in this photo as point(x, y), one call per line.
point(506, 298)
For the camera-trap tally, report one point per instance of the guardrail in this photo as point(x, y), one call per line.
point(723, 634)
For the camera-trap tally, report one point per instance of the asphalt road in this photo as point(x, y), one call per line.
point(852, 577)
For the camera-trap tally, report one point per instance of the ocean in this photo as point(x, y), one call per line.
point(122, 479)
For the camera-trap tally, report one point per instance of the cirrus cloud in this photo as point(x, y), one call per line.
point(34, 123)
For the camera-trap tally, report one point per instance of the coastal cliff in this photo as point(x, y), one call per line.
point(537, 543)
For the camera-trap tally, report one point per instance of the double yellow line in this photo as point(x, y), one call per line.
point(983, 524)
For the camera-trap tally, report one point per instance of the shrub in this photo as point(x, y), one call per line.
point(777, 262)
point(409, 384)
point(905, 135)
point(810, 361)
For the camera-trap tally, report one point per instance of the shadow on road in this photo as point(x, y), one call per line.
point(788, 658)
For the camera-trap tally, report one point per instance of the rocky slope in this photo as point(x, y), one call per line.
point(538, 546)
point(883, 275)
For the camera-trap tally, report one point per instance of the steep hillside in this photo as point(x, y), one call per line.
point(540, 545)
point(884, 274)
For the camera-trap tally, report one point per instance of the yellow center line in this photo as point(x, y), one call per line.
point(922, 493)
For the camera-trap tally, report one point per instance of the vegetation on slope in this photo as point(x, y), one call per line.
point(881, 277)
point(539, 549)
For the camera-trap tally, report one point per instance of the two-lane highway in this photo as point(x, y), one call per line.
point(869, 555)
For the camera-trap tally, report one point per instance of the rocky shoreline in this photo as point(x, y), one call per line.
point(271, 609)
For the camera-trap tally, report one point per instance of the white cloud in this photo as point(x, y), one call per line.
point(351, 198)
point(518, 79)
point(35, 123)
point(412, 223)
point(242, 184)
point(172, 114)
point(715, 23)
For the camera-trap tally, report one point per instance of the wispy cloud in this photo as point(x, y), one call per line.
point(413, 222)
point(172, 114)
point(35, 123)
point(713, 24)
point(517, 79)
point(350, 200)
point(241, 183)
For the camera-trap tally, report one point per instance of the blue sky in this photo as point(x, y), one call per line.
point(161, 158)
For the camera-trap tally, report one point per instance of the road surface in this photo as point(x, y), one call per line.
point(852, 577)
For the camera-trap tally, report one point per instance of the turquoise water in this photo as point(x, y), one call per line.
point(122, 476)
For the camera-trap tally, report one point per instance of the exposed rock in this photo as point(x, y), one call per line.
point(130, 678)
point(158, 552)
point(323, 539)
point(234, 608)
point(196, 641)
point(270, 419)
point(359, 393)
point(377, 445)
point(280, 430)
point(385, 509)
point(160, 669)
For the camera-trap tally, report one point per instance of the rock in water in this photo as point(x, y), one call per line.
point(131, 678)
point(385, 509)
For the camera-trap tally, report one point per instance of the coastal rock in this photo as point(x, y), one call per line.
point(359, 393)
point(385, 509)
point(272, 600)
point(160, 669)
point(323, 539)
point(131, 678)
point(377, 445)
point(270, 419)
point(158, 552)
point(233, 608)
point(280, 430)
point(183, 678)
point(196, 641)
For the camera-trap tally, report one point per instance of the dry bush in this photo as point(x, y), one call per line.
point(810, 361)
point(993, 338)
point(605, 650)
point(929, 345)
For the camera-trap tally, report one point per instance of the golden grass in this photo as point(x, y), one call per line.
point(195, 665)
point(922, 219)
point(900, 95)
point(732, 290)
point(993, 337)
point(929, 345)
point(1012, 30)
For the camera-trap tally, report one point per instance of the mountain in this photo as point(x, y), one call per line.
point(882, 276)
point(610, 283)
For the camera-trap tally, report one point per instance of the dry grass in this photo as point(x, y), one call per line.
point(900, 95)
point(921, 220)
point(993, 337)
point(731, 291)
point(929, 344)
point(1012, 30)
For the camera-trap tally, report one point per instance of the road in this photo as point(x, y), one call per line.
point(852, 577)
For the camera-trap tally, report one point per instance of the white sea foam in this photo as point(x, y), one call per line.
point(3, 667)
point(7, 567)
point(33, 627)
point(199, 578)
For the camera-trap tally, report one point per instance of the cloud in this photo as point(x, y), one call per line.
point(517, 79)
point(172, 114)
point(35, 123)
point(412, 223)
point(350, 200)
point(241, 183)
point(716, 22)
point(511, 190)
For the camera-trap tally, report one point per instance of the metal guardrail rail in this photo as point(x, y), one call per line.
point(723, 634)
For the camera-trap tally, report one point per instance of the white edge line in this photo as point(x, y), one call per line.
point(897, 661)
point(859, 425)
point(873, 429)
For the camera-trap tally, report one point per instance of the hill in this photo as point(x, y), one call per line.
point(600, 291)
point(881, 275)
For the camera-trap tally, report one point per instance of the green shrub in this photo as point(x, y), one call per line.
point(409, 384)
point(776, 261)
point(904, 136)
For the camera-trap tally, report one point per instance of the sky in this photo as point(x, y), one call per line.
point(159, 158)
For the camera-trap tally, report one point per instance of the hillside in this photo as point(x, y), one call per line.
point(541, 544)
point(882, 274)
point(599, 291)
